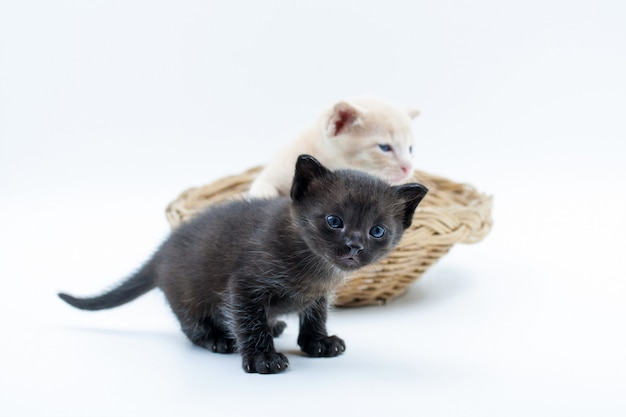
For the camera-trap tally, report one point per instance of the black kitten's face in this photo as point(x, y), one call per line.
point(351, 221)
point(353, 243)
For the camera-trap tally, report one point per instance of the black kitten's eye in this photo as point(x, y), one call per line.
point(377, 231)
point(334, 222)
point(385, 147)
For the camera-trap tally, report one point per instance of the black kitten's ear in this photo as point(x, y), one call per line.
point(411, 194)
point(307, 169)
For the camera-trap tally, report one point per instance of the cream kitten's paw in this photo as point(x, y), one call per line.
point(262, 189)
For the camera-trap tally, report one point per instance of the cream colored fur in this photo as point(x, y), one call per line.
point(347, 135)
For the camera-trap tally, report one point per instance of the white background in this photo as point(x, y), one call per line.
point(109, 109)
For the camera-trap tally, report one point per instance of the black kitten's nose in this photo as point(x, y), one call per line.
point(354, 247)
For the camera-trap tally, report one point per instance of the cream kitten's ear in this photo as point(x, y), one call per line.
point(413, 113)
point(342, 117)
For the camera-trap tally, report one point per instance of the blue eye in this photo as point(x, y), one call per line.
point(385, 147)
point(377, 231)
point(334, 222)
point(410, 149)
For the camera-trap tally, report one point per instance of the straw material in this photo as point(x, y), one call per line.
point(450, 213)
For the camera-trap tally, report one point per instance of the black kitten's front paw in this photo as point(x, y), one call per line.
point(326, 347)
point(265, 363)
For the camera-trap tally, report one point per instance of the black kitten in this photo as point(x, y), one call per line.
point(232, 270)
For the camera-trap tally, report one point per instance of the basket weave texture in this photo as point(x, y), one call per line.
point(450, 213)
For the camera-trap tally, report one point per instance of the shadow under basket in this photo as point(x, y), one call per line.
point(450, 213)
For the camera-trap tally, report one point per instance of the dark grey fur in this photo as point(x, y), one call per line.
point(232, 270)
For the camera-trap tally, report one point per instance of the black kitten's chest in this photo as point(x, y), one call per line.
point(297, 293)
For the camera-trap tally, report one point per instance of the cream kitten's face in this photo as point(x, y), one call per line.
point(374, 137)
point(388, 155)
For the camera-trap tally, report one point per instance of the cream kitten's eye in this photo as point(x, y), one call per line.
point(385, 148)
point(410, 149)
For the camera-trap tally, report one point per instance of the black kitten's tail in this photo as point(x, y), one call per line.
point(135, 286)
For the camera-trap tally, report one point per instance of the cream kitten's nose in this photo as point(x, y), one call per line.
point(406, 168)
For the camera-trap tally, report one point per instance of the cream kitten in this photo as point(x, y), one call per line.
point(367, 134)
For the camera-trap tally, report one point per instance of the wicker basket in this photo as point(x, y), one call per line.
point(450, 213)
